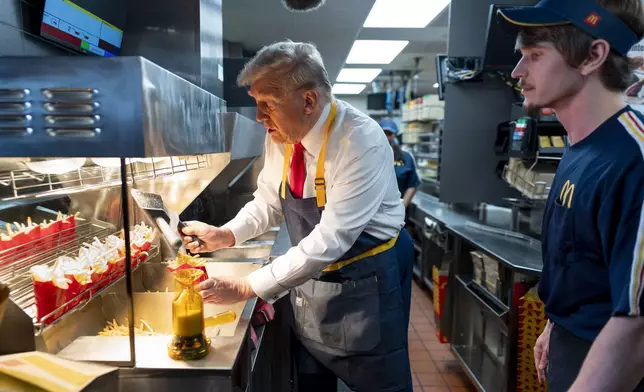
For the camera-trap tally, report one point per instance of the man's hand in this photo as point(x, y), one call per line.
point(541, 352)
point(226, 290)
point(213, 237)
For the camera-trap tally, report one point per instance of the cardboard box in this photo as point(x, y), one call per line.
point(532, 321)
point(40, 372)
point(439, 278)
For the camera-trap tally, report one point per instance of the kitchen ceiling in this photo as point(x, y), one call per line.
point(333, 28)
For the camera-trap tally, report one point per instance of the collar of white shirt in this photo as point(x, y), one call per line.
point(312, 142)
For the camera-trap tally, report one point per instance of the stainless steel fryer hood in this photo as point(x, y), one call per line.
point(104, 107)
point(92, 107)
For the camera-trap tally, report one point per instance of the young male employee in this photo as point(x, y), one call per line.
point(404, 164)
point(328, 172)
point(575, 62)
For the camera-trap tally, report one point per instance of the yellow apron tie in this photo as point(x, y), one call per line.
point(371, 252)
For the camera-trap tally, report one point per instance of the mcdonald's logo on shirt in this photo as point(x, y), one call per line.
point(566, 194)
point(592, 20)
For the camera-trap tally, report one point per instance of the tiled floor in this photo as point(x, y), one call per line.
point(434, 368)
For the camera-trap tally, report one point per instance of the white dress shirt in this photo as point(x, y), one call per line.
point(362, 195)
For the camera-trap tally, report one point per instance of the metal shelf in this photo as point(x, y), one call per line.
point(24, 183)
point(430, 180)
point(427, 156)
point(384, 113)
point(552, 151)
point(422, 120)
point(532, 190)
point(16, 263)
point(484, 298)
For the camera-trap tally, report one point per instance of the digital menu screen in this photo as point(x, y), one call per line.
point(89, 26)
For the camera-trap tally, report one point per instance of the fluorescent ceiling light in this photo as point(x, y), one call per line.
point(435, 85)
point(347, 89)
point(404, 13)
point(375, 51)
point(358, 75)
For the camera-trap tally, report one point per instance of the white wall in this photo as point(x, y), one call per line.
point(357, 101)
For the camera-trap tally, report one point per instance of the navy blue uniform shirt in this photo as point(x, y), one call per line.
point(406, 173)
point(593, 229)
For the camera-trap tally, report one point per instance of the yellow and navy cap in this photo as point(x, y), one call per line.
point(585, 14)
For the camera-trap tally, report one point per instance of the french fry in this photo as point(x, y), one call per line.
point(112, 328)
point(50, 292)
point(185, 261)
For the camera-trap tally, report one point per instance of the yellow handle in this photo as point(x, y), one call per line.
point(221, 318)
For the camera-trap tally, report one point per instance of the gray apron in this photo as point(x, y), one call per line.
point(353, 320)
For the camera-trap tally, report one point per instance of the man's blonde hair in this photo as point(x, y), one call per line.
point(287, 66)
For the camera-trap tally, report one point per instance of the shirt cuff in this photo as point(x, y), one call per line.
point(265, 285)
point(242, 231)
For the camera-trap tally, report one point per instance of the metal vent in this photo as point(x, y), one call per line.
point(15, 109)
point(72, 107)
point(70, 94)
point(71, 112)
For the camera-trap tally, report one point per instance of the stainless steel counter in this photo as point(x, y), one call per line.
point(520, 255)
point(235, 363)
point(493, 216)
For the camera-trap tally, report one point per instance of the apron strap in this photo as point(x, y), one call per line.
point(371, 252)
point(320, 183)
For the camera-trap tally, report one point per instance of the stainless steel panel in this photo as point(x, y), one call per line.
point(15, 107)
point(165, 32)
point(244, 137)
point(211, 45)
point(161, 380)
point(140, 109)
point(184, 37)
point(180, 118)
point(247, 250)
point(14, 93)
point(15, 121)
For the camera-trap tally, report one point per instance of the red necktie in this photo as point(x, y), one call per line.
point(298, 171)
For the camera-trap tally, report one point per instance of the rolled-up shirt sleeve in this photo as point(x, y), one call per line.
point(265, 210)
point(354, 194)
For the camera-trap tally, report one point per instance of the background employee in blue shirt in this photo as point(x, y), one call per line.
point(575, 62)
point(404, 165)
